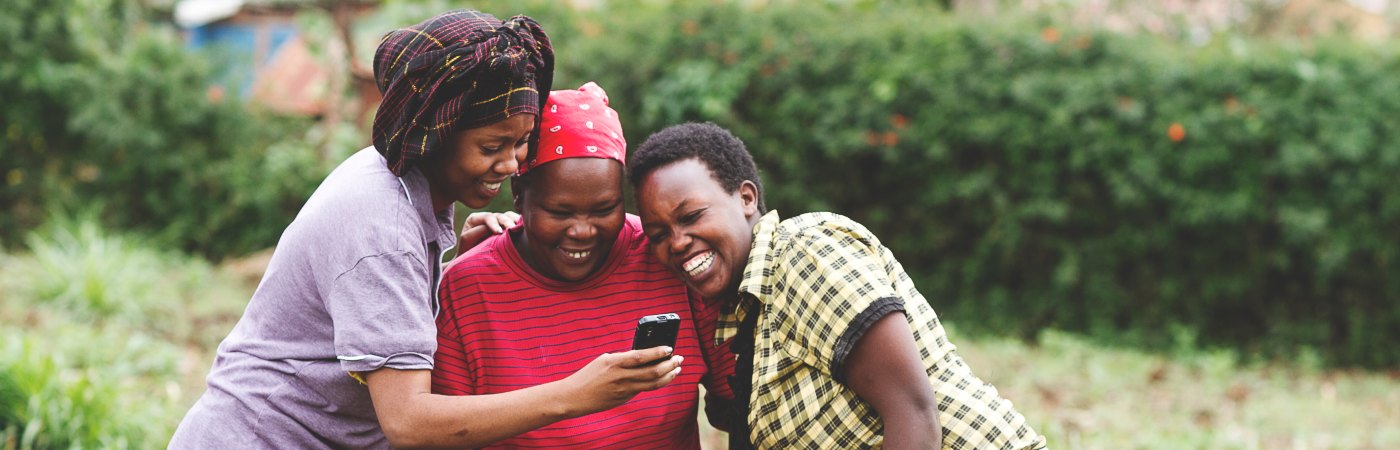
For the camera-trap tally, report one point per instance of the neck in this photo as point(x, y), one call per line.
point(520, 241)
point(440, 201)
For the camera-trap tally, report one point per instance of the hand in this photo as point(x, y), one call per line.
point(496, 222)
point(483, 224)
point(614, 378)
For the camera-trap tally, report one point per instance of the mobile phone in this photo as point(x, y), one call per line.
point(656, 330)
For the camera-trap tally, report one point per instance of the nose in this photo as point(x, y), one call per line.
point(677, 243)
point(581, 230)
point(512, 163)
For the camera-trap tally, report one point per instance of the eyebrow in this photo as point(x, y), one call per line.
point(502, 137)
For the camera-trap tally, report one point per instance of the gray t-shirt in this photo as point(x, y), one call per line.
point(350, 288)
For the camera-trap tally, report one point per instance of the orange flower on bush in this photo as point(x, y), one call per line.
point(1050, 35)
point(899, 121)
point(890, 139)
point(1176, 132)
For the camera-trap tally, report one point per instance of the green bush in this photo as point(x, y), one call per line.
point(77, 272)
point(73, 393)
point(106, 110)
point(1028, 176)
point(127, 317)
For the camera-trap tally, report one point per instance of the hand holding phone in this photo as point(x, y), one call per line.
point(656, 330)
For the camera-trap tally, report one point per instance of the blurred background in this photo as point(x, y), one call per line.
point(1164, 224)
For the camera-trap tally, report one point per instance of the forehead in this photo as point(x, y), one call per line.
point(669, 185)
point(690, 171)
point(586, 177)
point(510, 127)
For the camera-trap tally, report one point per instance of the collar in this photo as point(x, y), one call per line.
point(437, 225)
point(754, 285)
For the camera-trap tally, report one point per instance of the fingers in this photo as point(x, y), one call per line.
point(471, 236)
point(668, 377)
point(496, 222)
point(644, 357)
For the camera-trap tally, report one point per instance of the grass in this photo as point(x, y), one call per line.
point(106, 342)
point(1087, 396)
point(101, 335)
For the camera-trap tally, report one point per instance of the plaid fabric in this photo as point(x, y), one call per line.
point(460, 70)
point(817, 282)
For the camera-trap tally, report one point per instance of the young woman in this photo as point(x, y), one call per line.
point(336, 345)
point(524, 310)
point(839, 348)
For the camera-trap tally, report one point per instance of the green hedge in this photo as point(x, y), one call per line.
point(104, 110)
point(1028, 176)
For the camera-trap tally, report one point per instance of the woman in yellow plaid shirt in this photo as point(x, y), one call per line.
point(835, 347)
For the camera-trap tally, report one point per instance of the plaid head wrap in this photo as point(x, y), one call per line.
point(460, 70)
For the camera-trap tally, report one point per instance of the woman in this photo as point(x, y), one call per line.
point(839, 348)
point(525, 309)
point(336, 345)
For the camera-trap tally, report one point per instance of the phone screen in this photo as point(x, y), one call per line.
point(656, 330)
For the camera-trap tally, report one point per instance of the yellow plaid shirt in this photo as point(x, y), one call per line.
point(818, 281)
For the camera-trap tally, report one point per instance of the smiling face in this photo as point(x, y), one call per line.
point(572, 214)
point(472, 169)
point(696, 228)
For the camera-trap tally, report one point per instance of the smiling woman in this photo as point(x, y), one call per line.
point(335, 347)
point(836, 347)
point(536, 310)
point(572, 214)
point(479, 160)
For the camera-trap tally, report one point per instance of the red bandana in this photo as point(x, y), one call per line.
point(579, 124)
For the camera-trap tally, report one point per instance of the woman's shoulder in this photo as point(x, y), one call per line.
point(633, 241)
point(819, 229)
point(488, 257)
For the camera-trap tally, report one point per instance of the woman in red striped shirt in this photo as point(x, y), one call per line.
point(542, 307)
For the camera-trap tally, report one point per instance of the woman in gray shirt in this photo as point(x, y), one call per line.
point(336, 346)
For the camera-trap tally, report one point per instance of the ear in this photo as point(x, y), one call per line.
point(748, 196)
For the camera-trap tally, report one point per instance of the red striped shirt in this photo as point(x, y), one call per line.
point(504, 327)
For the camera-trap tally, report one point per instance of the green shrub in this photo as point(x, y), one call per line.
point(1029, 178)
point(74, 392)
point(106, 109)
point(78, 272)
point(79, 268)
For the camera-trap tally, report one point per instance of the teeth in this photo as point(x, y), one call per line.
point(492, 186)
point(698, 264)
point(577, 255)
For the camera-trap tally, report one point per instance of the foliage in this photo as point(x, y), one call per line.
point(1029, 174)
point(107, 111)
point(1035, 176)
point(112, 379)
point(64, 394)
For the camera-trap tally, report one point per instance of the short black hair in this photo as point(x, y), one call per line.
point(729, 161)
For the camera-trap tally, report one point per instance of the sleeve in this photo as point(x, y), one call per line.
point(383, 314)
point(832, 287)
point(451, 374)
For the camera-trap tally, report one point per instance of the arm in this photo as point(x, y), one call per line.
point(884, 369)
point(413, 417)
